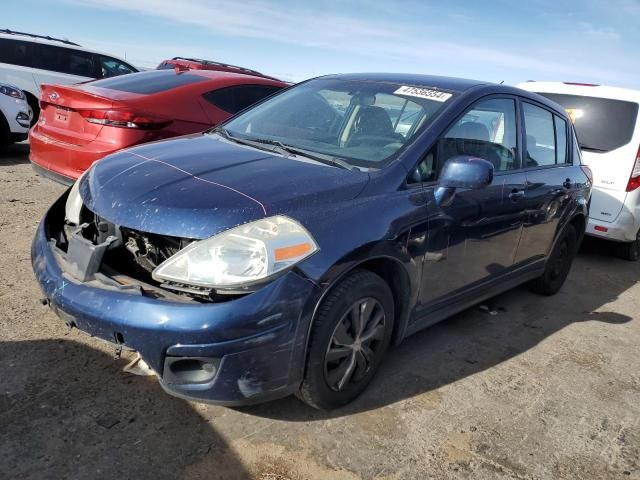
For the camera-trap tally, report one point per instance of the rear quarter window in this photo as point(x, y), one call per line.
point(238, 97)
point(601, 124)
point(154, 81)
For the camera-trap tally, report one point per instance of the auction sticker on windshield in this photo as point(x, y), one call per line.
point(428, 93)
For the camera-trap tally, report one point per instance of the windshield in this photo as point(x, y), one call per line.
point(602, 124)
point(363, 123)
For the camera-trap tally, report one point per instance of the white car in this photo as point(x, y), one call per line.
point(28, 61)
point(15, 115)
point(608, 129)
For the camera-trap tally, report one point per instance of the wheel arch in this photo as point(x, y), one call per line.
point(579, 222)
point(34, 103)
point(394, 273)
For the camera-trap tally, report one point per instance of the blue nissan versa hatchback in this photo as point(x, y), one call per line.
point(286, 250)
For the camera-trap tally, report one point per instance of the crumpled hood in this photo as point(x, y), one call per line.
point(197, 186)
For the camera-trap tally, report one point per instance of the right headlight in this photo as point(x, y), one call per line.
point(74, 203)
point(241, 256)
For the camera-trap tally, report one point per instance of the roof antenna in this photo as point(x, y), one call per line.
point(501, 82)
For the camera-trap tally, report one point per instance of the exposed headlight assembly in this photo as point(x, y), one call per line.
point(74, 203)
point(240, 257)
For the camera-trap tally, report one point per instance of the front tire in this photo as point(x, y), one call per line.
point(558, 264)
point(5, 134)
point(350, 335)
point(35, 108)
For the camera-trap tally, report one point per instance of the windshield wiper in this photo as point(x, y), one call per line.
point(319, 157)
point(286, 149)
point(243, 141)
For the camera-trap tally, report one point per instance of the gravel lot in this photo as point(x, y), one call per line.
point(547, 388)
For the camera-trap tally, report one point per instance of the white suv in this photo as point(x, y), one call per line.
point(608, 129)
point(28, 61)
point(15, 115)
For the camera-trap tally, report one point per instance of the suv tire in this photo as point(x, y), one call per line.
point(631, 250)
point(5, 134)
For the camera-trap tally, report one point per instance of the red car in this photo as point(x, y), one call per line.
point(82, 123)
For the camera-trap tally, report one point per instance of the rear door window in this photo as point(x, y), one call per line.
point(238, 97)
point(540, 136)
point(63, 60)
point(602, 124)
point(153, 81)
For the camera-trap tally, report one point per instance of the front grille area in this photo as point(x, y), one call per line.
point(133, 256)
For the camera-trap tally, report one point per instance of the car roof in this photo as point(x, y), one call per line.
point(209, 80)
point(25, 37)
point(446, 83)
point(582, 89)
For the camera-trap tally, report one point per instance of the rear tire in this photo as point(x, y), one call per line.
point(631, 250)
point(350, 335)
point(558, 264)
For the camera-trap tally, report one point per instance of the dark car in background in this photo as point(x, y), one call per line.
point(80, 124)
point(287, 249)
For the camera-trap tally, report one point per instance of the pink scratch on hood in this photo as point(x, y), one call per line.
point(264, 209)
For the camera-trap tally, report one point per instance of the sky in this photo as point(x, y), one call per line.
point(592, 41)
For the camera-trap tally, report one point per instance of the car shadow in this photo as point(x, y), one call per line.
point(67, 412)
point(476, 340)
point(16, 154)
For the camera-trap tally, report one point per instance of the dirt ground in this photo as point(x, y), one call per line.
point(548, 388)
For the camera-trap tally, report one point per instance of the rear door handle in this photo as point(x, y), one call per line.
point(516, 195)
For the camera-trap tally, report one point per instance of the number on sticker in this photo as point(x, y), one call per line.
point(427, 93)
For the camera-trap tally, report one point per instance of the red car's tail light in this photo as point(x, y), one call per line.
point(634, 177)
point(124, 119)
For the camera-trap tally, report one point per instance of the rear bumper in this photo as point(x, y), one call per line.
point(624, 229)
point(256, 341)
point(64, 159)
point(56, 177)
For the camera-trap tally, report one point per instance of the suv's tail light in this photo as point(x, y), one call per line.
point(634, 178)
point(124, 119)
point(587, 171)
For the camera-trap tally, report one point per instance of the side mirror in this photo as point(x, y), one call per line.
point(462, 171)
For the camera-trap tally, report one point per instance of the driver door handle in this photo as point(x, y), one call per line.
point(516, 195)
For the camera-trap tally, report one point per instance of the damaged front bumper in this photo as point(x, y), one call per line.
point(245, 350)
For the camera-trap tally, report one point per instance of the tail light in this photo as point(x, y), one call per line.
point(634, 178)
point(587, 171)
point(124, 119)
